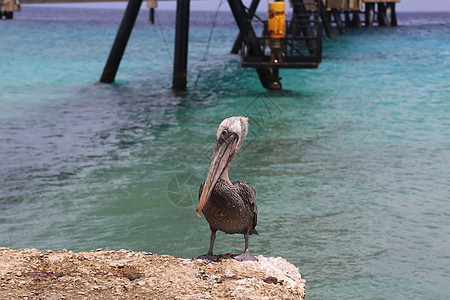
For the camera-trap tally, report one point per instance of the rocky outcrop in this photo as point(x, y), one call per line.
point(107, 274)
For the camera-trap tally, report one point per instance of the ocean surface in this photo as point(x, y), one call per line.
point(351, 162)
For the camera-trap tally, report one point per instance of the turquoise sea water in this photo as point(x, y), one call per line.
point(350, 161)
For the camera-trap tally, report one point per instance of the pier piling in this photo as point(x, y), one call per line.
point(337, 18)
point(181, 45)
point(120, 43)
point(369, 14)
point(251, 13)
point(326, 21)
point(381, 14)
point(356, 21)
point(151, 16)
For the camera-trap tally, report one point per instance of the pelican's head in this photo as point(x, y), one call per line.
point(234, 126)
point(230, 136)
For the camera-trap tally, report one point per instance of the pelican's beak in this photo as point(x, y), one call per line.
point(220, 160)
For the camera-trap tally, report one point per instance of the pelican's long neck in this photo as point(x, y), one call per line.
point(238, 126)
point(224, 175)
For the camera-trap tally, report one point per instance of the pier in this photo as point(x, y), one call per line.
point(283, 41)
point(294, 43)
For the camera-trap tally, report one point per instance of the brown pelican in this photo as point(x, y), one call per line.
point(228, 206)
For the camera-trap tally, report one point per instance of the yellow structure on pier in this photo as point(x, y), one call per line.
point(276, 22)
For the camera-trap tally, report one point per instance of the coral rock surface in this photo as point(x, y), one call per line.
point(124, 274)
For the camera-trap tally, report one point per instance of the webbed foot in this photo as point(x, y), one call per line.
point(245, 256)
point(208, 256)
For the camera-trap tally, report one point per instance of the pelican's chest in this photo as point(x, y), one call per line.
point(226, 210)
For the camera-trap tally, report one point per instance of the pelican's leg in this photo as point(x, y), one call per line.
point(211, 241)
point(246, 255)
point(210, 255)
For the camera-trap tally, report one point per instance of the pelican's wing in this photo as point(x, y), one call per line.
point(248, 194)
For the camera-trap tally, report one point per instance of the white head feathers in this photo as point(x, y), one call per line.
point(237, 125)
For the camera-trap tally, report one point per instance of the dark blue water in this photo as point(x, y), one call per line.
point(350, 161)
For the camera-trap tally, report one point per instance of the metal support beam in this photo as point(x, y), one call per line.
point(120, 43)
point(268, 80)
point(302, 17)
point(251, 13)
point(348, 21)
point(391, 17)
point(326, 21)
point(356, 21)
point(369, 14)
point(151, 16)
point(181, 45)
point(381, 16)
point(393, 14)
point(337, 18)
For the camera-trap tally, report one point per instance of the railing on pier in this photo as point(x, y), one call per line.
point(299, 51)
point(300, 48)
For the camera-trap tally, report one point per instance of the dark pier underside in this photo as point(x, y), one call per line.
point(301, 47)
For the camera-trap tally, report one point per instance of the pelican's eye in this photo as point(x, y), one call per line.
point(224, 135)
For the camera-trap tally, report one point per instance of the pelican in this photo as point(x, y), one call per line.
point(228, 206)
